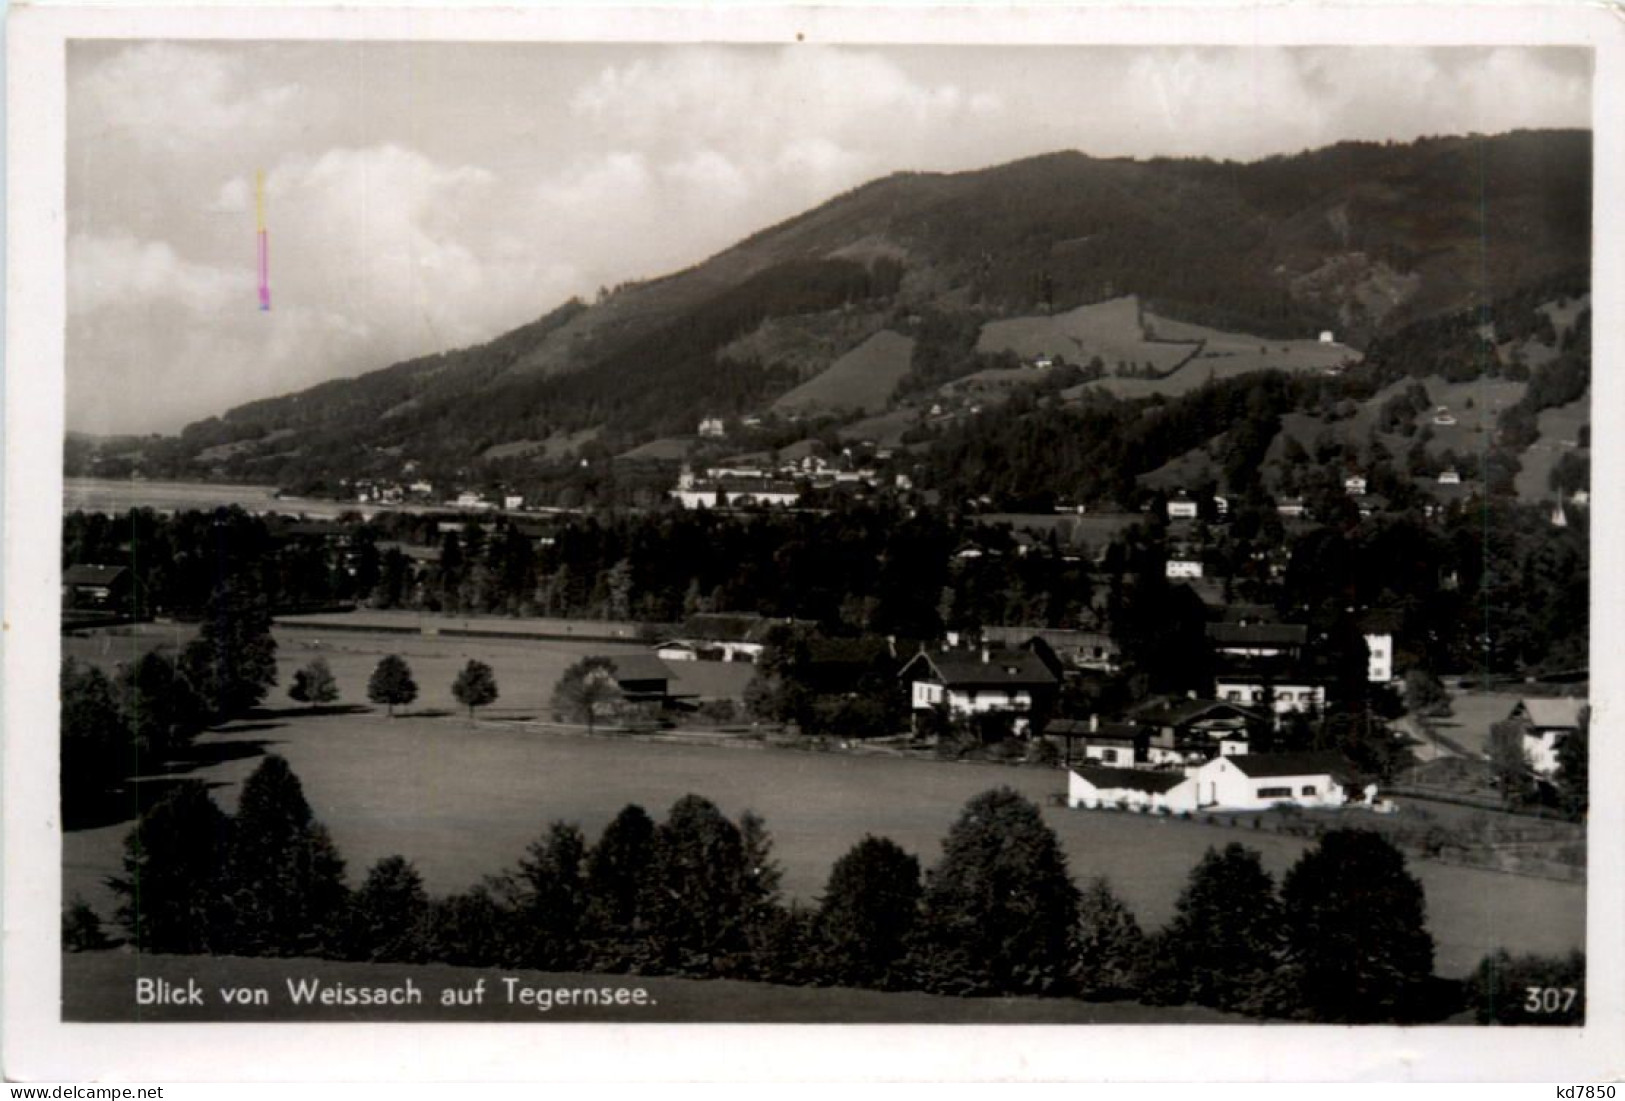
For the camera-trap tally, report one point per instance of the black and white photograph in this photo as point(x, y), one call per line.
point(647, 529)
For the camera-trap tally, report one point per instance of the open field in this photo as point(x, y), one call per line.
point(1110, 330)
point(1471, 714)
point(122, 494)
point(885, 429)
point(1559, 432)
point(97, 986)
point(862, 379)
point(525, 670)
point(670, 449)
point(463, 801)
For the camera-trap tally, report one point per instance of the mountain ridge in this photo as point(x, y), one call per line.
point(1358, 237)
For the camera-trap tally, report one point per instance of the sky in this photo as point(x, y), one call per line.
point(428, 196)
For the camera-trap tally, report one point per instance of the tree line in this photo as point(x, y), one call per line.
point(698, 894)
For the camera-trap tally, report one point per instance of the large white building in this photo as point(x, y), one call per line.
point(1226, 783)
point(975, 682)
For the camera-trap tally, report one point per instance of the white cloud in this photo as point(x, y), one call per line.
point(121, 270)
point(178, 96)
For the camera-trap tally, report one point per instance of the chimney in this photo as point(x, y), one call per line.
point(1094, 723)
point(985, 654)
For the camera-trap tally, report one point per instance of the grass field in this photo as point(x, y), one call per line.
point(98, 986)
point(862, 379)
point(1110, 330)
point(1559, 432)
point(463, 801)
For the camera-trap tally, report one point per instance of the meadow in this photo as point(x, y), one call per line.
point(463, 801)
point(861, 379)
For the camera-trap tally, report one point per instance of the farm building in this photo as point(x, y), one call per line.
point(1226, 783)
point(641, 678)
point(1284, 687)
point(721, 636)
point(1136, 788)
point(1545, 723)
point(98, 587)
point(1182, 507)
point(1261, 780)
point(1183, 567)
point(970, 682)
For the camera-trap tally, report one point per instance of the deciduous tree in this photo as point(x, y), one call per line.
point(999, 907)
point(391, 683)
point(475, 686)
point(314, 684)
point(1355, 920)
point(867, 912)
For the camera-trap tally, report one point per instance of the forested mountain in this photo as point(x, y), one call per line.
point(1361, 238)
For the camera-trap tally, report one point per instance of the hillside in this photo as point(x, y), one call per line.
point(1358, 238)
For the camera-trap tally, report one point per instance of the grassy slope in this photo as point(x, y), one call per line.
point(863, 378)
point(99, 986)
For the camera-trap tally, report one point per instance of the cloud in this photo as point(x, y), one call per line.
point(177, 96)
point(121, 270)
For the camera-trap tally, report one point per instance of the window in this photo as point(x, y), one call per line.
point(1308, 789)
point(1109, 756)
point(1275, 793)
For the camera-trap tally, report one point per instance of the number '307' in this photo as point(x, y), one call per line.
point(1549, 999)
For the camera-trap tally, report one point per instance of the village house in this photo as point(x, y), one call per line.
point(722, 636)
point(1182, 507)
point(1183, 564)
point(970, 682)
point(1259, 781)
point(1258, 640)
point(712, 428)
point(1073, 650)
point(1292, 507)
point(1379, 627)
point(1545, 723)
point(92, 587)
point(1283, 686)
point(1354, 485)
point(1191, 731)
point(1450, 476)
point(1246, 782)
point(1120, 744)
point(641, 678)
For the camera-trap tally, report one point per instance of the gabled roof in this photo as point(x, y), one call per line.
point(640, 667)
point(1560, 712)
point(1131, 779)
point(1258, 634)
point(92, 575)
point(1002, 669)
point(725, 627)
point(1258, 765)
point(1181, 712)
point(1105, 732)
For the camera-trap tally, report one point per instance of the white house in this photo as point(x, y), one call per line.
point(1289, 693)
point(1258, 781)
point(1181, 507)
point(1450, 476)
point(1328, 337)
point(1354, 485)
point(1183, 567)
point(712, 428)
point(1291, 506)
point(971, 682)
point(1258, 640)
point(1133, 788)
point(1546, 722)
point(1379, 647)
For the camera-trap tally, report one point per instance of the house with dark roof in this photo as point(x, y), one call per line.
point(1126, 744)
point(722, 636)
point(1259, 781)
point(99, 588)
point(641, 678)
point(1544, 723)
point(972, 682)
point(1258, 640)
point(1190, 732)
point(1138, 789)
point(1075, 650)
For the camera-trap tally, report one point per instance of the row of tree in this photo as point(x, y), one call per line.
point(1343, 939)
